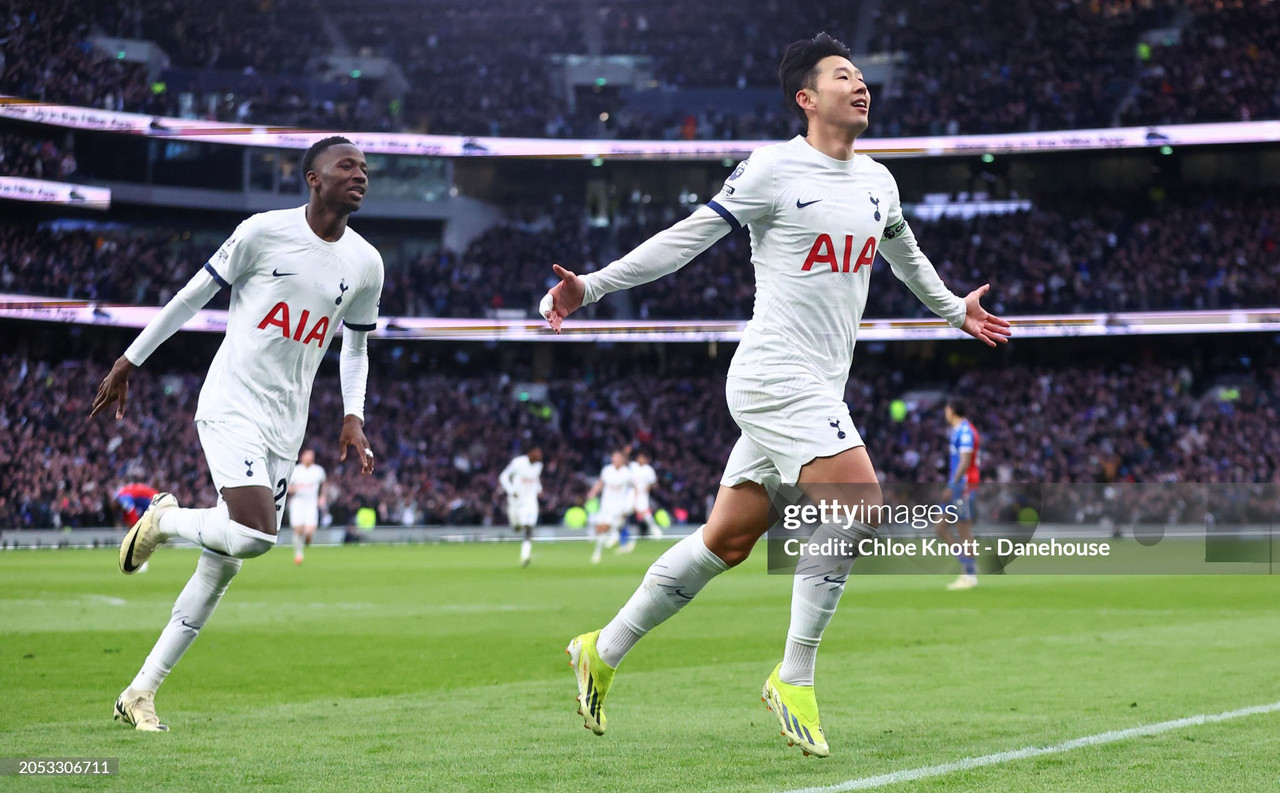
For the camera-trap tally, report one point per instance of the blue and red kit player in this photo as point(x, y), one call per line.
point(962, 485)
point(134, 499)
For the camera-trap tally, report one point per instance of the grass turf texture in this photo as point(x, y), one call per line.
point(442, 668)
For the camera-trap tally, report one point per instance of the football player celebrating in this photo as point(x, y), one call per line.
point(295, 276)
point(818, 213)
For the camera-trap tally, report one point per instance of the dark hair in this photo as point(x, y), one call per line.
point(309, 159)
point(958, 406)
point(799, 66)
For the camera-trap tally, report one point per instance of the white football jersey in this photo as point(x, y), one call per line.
point(306, 480)
point(290, 290)
point(522, 478)
point(816, 224)
point(615, 495)
point(643, 477)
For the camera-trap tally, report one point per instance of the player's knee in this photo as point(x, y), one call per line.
point(733, 551)
point(734, 556)
point(244, 542)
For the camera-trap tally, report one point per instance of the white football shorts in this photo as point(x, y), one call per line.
point(304, 513)
point(611, 515)
point(785, 424)
point(522, 512)
point(238, 457)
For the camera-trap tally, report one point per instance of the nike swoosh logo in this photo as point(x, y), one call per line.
point(683, 595)
point(189, 625)
point(830, 580)
point(128, 555)
point(802, 204)
point(279, 274)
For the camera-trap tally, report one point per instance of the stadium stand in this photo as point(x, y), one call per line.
point(273, 37)
point(1073, 64)
point(1010, 67)
point(1120, 414)
point(1193, 248)
point(144, 268)
point(47, 57)
point(1224, 68)
point(22, 155)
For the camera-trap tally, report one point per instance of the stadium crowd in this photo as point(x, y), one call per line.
point(35, 158)
point(1193, 249)
point(734, 45)
point(1129, 415)
point(273, 37)
point(45, 55)
point(1228, 59)
point(506, 267)
point(991, 66)
point(112, 266)
point(966, 67)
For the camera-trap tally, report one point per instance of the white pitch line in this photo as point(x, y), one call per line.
point(867, 783)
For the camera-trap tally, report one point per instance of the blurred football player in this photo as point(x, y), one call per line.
point(521, 480)
point(962, 485)
point(643, 478)
point(614, 489)
point(306, 500)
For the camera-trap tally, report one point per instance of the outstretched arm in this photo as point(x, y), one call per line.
point(748, 194)
point(661, 254)
point(184, 305)
point(353, 367)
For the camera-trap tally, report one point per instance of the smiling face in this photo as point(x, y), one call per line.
point(340, 177)
point(837, 95)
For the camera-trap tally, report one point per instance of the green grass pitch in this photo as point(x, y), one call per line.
point(442, 668)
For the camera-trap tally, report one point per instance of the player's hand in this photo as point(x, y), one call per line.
point(353, 435)
point(114, 388)
point(982, 325)
point(946, 495)
point(563, 299)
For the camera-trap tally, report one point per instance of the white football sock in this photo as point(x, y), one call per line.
point(214, 529)
point(190, 524)
point(672, 581)
point(815, 593)
point(193, 608)
point(298, 543)
point(526, 549)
